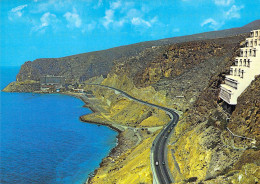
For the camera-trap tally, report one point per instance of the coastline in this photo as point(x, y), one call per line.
point(128, 141)
point(38, 96)
point(132, 151)
point(90, 105)
point(92, 108)
point(119, 137)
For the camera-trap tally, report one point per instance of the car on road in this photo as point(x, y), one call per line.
point(163, 163)
point(156, 163)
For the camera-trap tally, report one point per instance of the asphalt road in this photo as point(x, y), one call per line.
point(159, 151)
point(161, 172)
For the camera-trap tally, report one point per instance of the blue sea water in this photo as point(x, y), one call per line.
point(43, 141)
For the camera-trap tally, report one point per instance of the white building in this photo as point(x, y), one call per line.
point(247, 66)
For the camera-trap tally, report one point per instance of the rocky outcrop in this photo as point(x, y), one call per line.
point(24, 86)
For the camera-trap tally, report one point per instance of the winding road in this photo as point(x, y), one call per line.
point(159, 161)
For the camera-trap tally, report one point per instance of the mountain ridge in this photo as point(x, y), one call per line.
point(80, 67)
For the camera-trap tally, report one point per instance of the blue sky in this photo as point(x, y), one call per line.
point(32, 29)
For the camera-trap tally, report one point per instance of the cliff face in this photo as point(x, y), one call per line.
point(78, 67)
point(74, 69)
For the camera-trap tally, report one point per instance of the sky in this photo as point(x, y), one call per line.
point(32, 29)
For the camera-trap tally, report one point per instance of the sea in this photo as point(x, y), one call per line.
point(43, 140)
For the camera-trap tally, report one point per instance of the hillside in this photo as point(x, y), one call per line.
point(187, 76)
point(84, 66)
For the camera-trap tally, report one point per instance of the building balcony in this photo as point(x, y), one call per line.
point(236, 73)
point(225, 94)
point(249, 52)
point(254, 33)
point(252, 42)
point(249, 42)
point(228, 89)
point(231, 84)
point(242, 62)
point(233, 78)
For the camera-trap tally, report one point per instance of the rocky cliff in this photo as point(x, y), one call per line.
point(23, 86)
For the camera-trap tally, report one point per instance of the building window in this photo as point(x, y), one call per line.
point(254, 53)
point(236, 62)
point(255, 42)
point(242, 74)
point(251, 43)
point(252, 34)
point(248, 63)
point(244, 62)
point(256, 33)
point(240, 62)
point(241, 53)
point(245, 53)
point(239, 72)
point(235, 73)
point(231, 71)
